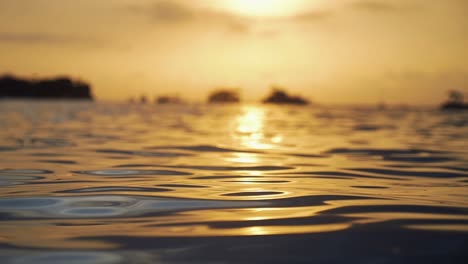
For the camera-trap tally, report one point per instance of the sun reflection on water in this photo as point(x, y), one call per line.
point(242, 157)
point(250, 128)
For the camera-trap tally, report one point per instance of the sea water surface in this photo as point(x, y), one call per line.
point(119, 183)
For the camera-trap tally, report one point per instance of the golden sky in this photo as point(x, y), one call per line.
point(333, 51)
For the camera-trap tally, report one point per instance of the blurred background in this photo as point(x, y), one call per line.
point(333, 51)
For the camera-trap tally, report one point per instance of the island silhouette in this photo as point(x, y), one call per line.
point(279, 96)
point(224, 96)
point(455, 102)
point(168, 99)
point(48, 88)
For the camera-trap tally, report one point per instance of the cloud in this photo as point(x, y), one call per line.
point(238, 27)
point(38, 38)
point(170, 12)
point(312, 16)
point(370, 5)
point(381, 6)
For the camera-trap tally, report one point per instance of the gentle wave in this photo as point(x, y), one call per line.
point(108, 183)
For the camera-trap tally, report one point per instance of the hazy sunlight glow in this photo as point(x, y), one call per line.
point(262, 7)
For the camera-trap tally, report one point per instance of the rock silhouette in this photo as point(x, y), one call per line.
point(224, 96)
point(279, 96)
point(56, 88)
point(166, 99)
point(455, 102)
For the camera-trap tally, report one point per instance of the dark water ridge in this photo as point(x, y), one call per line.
point(109, 183)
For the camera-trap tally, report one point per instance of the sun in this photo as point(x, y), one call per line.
point(263, 7)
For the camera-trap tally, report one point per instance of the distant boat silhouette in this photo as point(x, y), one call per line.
point(168, 100)
point(224, 96)
point(455, 102)
point(54, 88)
point(279, 96)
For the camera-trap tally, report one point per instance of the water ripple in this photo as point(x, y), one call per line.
point(132, 172)
point(88, 257)
point(233, 168)
point(204, 148)
point(434, 174)
point(142, 153)
point(131, 183)
point(183, 186)
point(59, 161)
point(8, 180)
point(263, 193)
point(107, 206)
point(114, 189)
point(25, 171)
